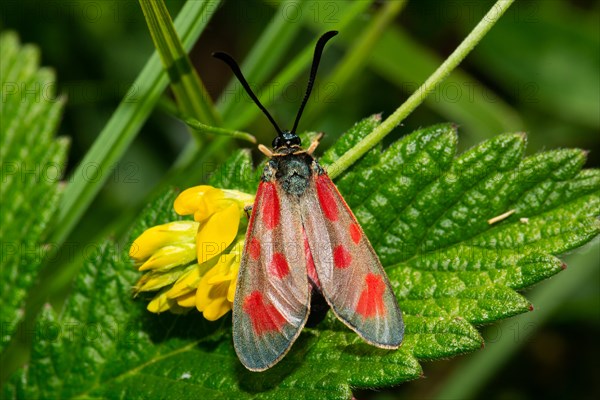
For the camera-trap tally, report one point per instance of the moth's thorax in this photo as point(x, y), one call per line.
point(292, 168)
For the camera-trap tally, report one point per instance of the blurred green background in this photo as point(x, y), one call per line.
point(537, 71)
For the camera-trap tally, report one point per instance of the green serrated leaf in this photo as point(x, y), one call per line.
point(441, 252)
point(33, 162)
point(426, 212)
point(353, 135)
point(430, 338)
point(477, 304)
point(236, 172)
point(408, 167)
point(109, 346)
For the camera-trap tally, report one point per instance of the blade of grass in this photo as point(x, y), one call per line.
point(466, 380)
point(125, 123)
point(426, 88)
point(354, 61)
point(189, 91)
point(460, 98)
point(403, 61)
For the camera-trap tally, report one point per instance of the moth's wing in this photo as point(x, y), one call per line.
point(351, 276)
point(272, 298)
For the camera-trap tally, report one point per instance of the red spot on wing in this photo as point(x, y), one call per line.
point(341, 257)
point(279, 266)
point(270, 208)
point(254, 249)
point(310, 262)
point(370, 302)
point(264, 317)
point(355, 232)
point(327, 198)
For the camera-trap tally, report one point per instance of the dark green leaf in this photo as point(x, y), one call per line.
point(33, 162)
point(426, 212)
point(236, 172)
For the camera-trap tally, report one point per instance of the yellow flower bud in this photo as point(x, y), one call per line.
point(177, 233)
point(198, 200)
point(161, 303)
point(214, 297)
point(159, 279)
point(186, 260)
point(187, 300)
point(185, 284)
point(203, 201)
point(170, 256)
point(217, 233)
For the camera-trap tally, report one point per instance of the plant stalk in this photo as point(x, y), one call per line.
point(486, 23)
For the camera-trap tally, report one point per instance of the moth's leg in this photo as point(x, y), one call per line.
point(247, 210)
point(313, 145)
point(265, 150)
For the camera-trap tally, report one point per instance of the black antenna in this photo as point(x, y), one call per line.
point(227, 59)
point(313, 72)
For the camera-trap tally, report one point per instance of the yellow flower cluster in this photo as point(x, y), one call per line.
point(194, 263)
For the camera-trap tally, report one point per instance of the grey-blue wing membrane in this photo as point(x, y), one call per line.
point(271, 302)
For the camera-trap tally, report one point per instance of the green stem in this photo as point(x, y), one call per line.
point(420, 94)
point(170, 108)
point(355, 59)
point(199, 126)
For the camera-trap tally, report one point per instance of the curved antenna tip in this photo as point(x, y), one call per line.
point(220, 54)
point(230, 61)
point(313, 73)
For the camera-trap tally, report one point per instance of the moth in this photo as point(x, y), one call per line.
point(302, 236)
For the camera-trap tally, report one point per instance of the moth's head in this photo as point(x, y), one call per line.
point(286, 139)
